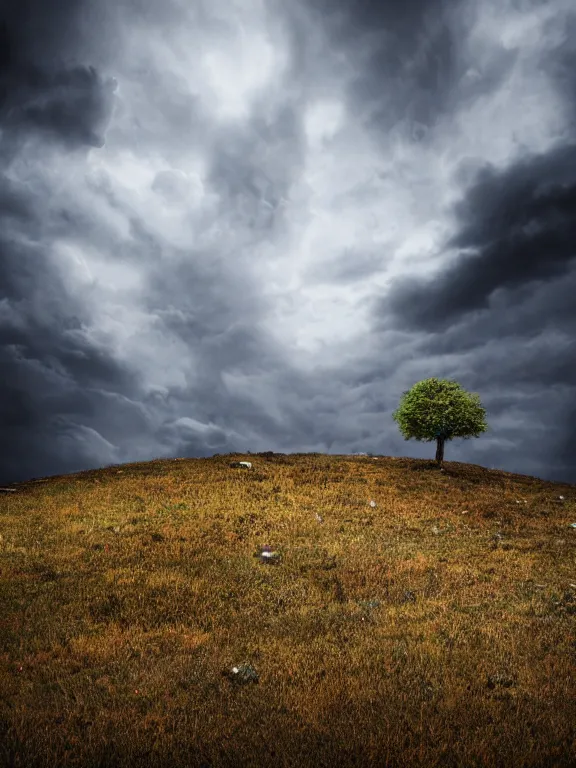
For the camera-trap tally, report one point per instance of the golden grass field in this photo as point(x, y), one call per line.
point(436, 628)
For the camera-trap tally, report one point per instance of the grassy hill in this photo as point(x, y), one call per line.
point(433, 628)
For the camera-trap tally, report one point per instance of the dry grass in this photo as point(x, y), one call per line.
point(407, 634)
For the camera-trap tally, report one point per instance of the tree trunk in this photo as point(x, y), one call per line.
point(440, 450)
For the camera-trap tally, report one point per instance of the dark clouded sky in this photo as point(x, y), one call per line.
point(231, 225)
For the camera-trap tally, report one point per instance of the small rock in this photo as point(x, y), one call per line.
point(267, 556)
point(243, 673)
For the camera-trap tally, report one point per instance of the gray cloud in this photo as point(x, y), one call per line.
point(517, 227)
point(230, 227)
point(74, 104)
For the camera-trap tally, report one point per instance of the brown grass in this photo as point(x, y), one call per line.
point(127, 593)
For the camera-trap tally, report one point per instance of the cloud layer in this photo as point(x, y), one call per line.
point(251, 225)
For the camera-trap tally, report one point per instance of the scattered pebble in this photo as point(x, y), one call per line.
point(243, 673)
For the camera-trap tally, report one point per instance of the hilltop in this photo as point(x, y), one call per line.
point(402, 615)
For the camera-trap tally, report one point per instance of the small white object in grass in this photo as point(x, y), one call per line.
point(372, 503)
point(267, 552)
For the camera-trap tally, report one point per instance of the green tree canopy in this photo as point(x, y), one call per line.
point(439, 409)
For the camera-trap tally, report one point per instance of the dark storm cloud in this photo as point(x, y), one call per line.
point(72, 104)
point(515, 226)
point(283, 216)
point(48, 360)
point(346, 18)
point(40, 90)
point(410, 67)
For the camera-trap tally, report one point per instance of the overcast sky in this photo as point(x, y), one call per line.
point(251, 225)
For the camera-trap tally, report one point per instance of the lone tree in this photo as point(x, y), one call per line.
point(438, 409)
